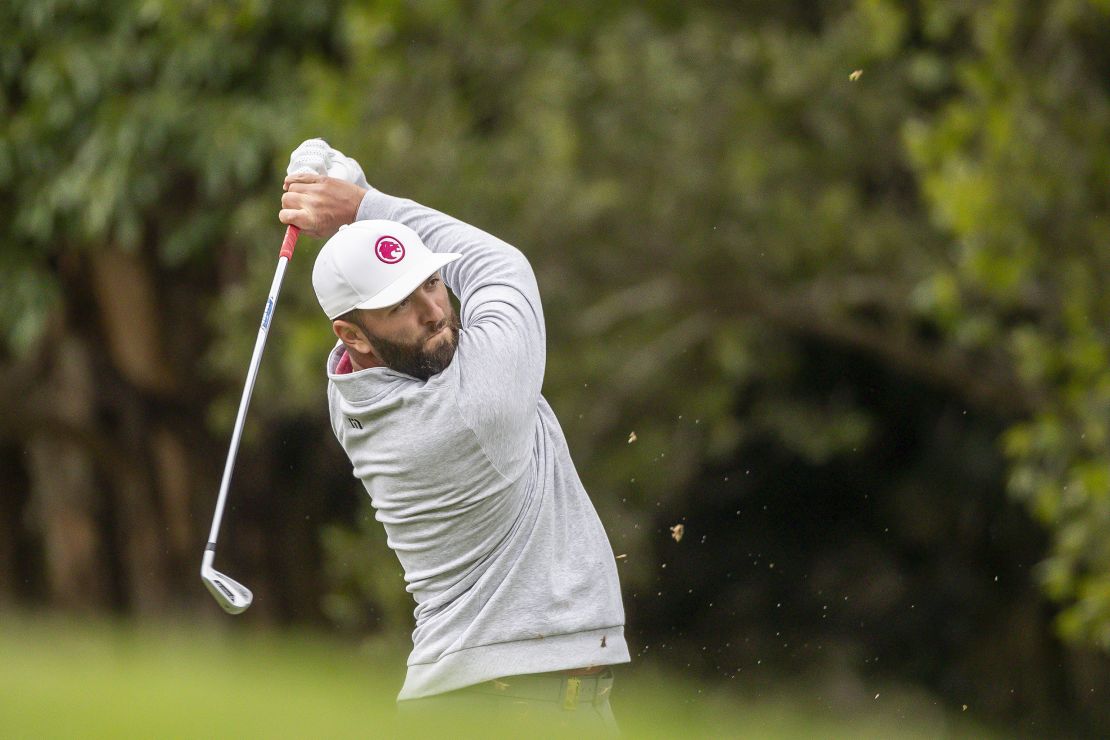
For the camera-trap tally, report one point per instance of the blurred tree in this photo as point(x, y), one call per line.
point(1015, 169)
point(135, 138)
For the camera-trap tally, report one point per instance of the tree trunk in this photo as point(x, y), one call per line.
point(149, 483)
point(65, 505)
point(13, 494)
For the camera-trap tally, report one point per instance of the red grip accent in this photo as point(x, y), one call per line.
point(290, 242)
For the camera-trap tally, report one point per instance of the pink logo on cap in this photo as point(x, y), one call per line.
point(389, 250)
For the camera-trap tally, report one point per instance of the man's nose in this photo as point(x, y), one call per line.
point(431, 312)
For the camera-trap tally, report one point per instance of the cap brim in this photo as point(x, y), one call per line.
point(416, 274)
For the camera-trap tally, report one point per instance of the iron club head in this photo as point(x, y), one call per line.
point(231, 595)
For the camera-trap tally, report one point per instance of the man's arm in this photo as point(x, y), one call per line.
point(502, 355)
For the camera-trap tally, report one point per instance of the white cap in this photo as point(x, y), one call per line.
point(372, 264)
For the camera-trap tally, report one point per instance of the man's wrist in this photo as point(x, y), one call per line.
point(371, 205)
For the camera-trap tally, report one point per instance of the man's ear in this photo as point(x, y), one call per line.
point(352, 336)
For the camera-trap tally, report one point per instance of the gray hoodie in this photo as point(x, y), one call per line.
point(471, 477)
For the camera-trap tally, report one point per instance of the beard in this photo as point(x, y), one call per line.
point(413, 358)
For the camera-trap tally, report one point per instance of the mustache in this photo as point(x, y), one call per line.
point(451, 321)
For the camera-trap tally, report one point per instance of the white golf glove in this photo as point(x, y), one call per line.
point(314, 155)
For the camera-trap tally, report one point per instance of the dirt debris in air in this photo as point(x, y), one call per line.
point(677, 531)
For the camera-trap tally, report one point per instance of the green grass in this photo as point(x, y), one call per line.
point(64, 678)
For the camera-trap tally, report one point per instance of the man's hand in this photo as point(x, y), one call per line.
point(319, 205)
point(323, 189)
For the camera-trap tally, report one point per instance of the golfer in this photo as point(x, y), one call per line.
point(518, 603)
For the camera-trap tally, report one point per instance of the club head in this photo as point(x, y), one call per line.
point(231, 595)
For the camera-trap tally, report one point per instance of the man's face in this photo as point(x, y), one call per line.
point(417, 336)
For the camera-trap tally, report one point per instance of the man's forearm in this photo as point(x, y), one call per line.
point(487, 261)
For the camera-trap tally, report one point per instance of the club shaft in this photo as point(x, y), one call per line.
point(252, 375)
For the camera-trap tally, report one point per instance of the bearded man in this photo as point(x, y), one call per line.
point(518, 604)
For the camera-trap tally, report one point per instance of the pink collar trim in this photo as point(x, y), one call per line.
point(344, 365)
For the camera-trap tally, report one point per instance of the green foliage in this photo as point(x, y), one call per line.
point(362, 572)
point(141, 125)
point(1014, 167)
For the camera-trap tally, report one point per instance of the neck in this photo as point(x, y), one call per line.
point(360, 361)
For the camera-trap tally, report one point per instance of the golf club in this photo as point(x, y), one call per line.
point(233, 596)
